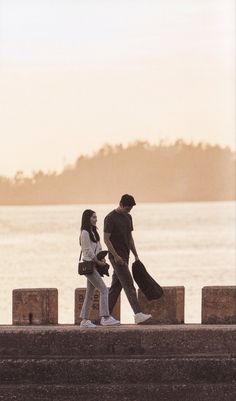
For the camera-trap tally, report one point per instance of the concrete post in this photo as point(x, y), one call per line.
point(94, 312)
point(35, 306)
point(219, 305)
point(169, 309)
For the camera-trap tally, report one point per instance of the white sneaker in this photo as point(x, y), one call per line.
point(109, 321)
point(87, 324)
point(141, 317)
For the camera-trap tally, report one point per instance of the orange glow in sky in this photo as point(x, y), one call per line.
point(77, 74)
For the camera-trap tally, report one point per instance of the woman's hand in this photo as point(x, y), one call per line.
point(101, 263)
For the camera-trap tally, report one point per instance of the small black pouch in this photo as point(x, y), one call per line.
point(86, 267)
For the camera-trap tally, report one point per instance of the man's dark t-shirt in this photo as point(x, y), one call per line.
point(119, 225)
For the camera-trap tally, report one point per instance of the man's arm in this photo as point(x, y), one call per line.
point(111, 249)
point(132, 248)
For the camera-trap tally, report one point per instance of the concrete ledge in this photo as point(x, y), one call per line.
point(169, 309)
point(131, 392)
point(219, 305)
point(128, 363)
point(157, 340)
point(125, 370)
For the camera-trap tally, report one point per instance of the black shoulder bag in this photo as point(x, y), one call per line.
point(87, 266)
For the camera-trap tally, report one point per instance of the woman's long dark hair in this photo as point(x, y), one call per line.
point(86, 225)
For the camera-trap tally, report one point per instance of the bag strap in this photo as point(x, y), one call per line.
point(81, 252)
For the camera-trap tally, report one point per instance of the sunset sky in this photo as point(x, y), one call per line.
point(75, 74)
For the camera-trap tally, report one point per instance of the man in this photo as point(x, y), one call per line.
point(118, 227)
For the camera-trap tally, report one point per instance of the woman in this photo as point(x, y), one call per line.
point(91, 246)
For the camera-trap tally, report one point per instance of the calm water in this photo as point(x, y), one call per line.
point(189, 244)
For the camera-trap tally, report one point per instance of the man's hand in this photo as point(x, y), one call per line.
point(118, 260)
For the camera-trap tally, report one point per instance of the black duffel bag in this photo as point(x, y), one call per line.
point(150, 288)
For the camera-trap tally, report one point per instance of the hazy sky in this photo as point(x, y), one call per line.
point(76, 74)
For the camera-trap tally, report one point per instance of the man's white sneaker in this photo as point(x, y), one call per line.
point(87, 324)
point(141, 317)
point(109, 321)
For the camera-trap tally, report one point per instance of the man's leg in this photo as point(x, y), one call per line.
point(114, 291)
point(126, 281)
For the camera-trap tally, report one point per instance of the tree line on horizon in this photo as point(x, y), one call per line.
point(178, 172)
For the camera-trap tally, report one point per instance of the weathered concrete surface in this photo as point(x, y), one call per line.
point(131, 392)
point(169, 309)
point(94, 311)
point(219, 305)
point(132, 363)
point(35, 306)
point(71, 340)
point(204, 369)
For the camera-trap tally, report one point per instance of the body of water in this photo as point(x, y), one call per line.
point(181, 244)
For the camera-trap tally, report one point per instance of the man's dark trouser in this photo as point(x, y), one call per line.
point(122, 278)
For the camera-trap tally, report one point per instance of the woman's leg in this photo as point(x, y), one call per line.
point(97, 281)
point(84, 314)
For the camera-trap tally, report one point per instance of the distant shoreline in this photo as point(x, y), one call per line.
point(114, 203)
point(161, 173)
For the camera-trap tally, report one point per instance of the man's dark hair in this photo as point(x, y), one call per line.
point(127, 200)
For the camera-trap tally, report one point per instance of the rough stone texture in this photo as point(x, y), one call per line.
point(159, 370)
point(219, 305)
point(94, 313)
point(127, 340)
point(128, 363)
point(169, 309)
point(116, 392)
point(35, 306)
